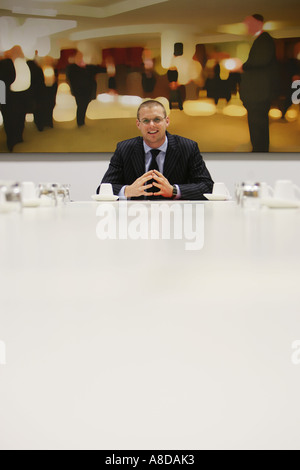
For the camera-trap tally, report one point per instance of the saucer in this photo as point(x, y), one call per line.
point(9, 207)
point(274, 203)
point(46, 201)
point(217, 197)
point(31, 202)
point(104, 197)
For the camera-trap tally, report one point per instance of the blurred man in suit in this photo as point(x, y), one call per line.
point(157, 165)
point(81, 77)
point(16, 74)
point(259, 82)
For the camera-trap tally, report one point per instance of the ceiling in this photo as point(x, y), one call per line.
point(141, 22)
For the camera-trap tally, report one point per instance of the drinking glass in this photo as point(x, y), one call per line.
point(10, 196)
point(48, 193)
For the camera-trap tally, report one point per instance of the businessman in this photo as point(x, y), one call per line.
point(259, 82)
point(157, 165)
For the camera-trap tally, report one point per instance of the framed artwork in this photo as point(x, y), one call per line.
point(73, 72)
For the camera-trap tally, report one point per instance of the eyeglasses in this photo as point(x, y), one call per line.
point(157, 120)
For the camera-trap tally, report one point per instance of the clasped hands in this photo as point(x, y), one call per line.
point(139, 187)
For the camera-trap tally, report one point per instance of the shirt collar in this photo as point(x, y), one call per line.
point(162, 148)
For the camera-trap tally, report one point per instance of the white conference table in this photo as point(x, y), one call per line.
point(144, 344)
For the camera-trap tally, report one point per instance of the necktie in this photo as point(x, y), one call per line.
point(153, 166)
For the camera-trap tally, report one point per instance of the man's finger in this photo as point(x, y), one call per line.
point(146, 175)
point(147, 178)
point(158, 178)
point(144, 193)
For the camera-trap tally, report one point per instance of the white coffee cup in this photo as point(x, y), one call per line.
point(286, 189)
point(106, 189)
point(29, 191)
point(220, 189)
point(266, 191)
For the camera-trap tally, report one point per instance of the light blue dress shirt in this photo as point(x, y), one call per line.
point(160, 159)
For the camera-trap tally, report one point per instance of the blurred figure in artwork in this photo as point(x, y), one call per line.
point(148, 75)
point(16, 74)
point(259, 82)
point(44, 90)
point(175, 96)
point(37, 94)
point(81, 77)
point(216, 87)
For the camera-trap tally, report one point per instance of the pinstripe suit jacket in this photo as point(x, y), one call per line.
point(183, 166)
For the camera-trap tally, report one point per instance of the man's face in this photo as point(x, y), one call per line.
point(252, 25)
point(153, 125)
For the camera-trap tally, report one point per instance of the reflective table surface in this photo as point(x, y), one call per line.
point(119, 332)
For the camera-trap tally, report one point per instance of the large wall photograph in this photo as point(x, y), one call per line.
point(73, 72)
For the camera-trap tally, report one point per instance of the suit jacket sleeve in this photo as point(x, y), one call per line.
point(115, 173)
point(197, 179)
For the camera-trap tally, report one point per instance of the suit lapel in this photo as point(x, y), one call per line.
point(172, 156)
point(138, 158)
